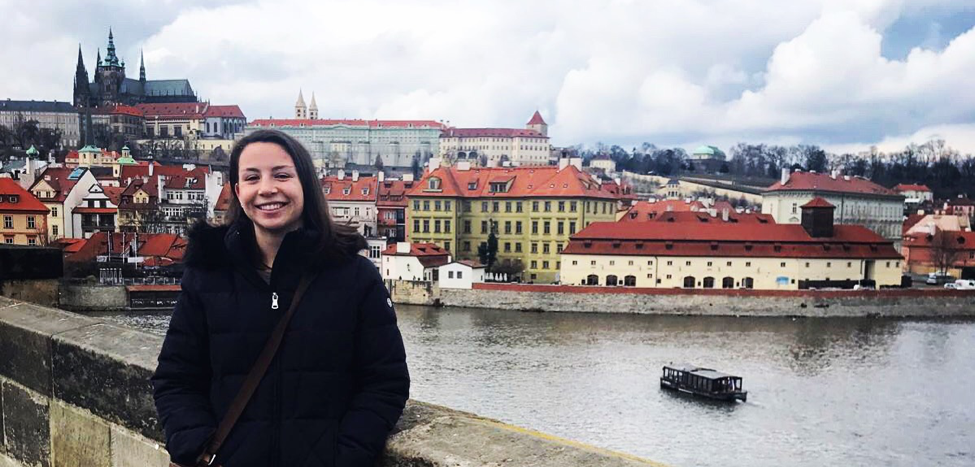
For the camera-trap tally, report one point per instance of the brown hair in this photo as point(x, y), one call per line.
point(335, 240)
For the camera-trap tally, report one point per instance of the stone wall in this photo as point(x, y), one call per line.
point(808, 303)
point(80, 297)
point(40, 291)
point(413, 292)
point(75, 391)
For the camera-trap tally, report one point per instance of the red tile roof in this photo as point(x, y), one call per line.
point(139, 171)
point(818, 202)
point(809, 181)
point(26, 202)
point(961, 202)
point(491, 132)
point(223, 201)
point(470, 263)
point(529, 181)
point(336, 188)
point(69, 245)
point(114, 193)
point(702, 217)
point(645, 210)
point(429, 254)
point(191, 180)
point(909, 187)
point(86, 210)
point(223, 111)
point(291, 122)
point(745, 240)
point(180, 110)
point(57, 178)
point(118, 109)
point(169, 246)
point(392, 193)
point(536, 119)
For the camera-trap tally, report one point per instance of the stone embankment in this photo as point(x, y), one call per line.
point(913, 303)
point(75, 391)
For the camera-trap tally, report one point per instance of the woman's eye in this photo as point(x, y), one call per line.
point(283, 176)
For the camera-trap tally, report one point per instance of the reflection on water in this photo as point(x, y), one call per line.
point(821, 391)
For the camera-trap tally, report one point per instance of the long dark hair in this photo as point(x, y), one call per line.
point(335, 240)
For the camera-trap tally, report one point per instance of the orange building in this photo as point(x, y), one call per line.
point(23, 218)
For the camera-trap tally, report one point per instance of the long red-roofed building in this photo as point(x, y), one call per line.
point(531, 209)
point(520, 146)
point(731, 255)
point(858, 201)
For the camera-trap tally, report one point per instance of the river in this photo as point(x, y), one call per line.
point(876, 392)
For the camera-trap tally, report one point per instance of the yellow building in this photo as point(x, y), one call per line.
point(531, 209)
point(61, 189)
point(23, 218)
point(815, 254)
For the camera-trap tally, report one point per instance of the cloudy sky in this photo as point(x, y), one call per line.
point(844, 74)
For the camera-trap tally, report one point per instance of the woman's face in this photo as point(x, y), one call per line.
point(268, 188)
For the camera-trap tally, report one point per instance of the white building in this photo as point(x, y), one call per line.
point(61, 189)
point(95, 213)
point(406, 261)
point(529, 146)
point(858, 201)
point(604, 163)
point(461, 274)
point(374, 250)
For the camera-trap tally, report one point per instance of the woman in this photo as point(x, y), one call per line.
point(339, 381)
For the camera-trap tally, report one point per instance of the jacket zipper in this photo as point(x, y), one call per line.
point(274, 300)
point(276, 394)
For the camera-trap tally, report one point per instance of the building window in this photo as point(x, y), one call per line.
point(535, 248)
point(507, 206)
point(572, 206)
point(534, 264)
point(548, 206)
point(518, 206)
point(849, 264)
point(450, 274)
point(558, 249)
point(426, 226)
point(561, 228)
point(572, 227)
point(436, 205)
point(484, 227)
point(507, 247)
point(495, 206)
point(32, 224)
point(544, 264)
point(687, 263)
point(446, 206)
point(507, 227)
point(446, 226)
point(545, 249)
point(467, 226)
point(561, 206)
point(518, 247)
point(54, 230)
point(829, 264)
point(467, 246)
point(426, 205)
point(518, 227)
point(748, 264)
point(795, 208)
point(575, 263)
point(446, 246)
point(54, 211)
point(670, 263)
point(534, 227)
point(436, 226)
point(460, 274)
point(534, 206)
point(546, 227)
point(782, 265)
point(484, 206)
point(8, 222)
point(32, 241)
point(416, 225)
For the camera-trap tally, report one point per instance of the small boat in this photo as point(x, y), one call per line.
point(703, 382)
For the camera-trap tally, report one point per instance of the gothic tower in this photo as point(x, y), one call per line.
point(313, 109)
point(142, 69)
point(82, 96)
point(538, 124)
point(301, 111)
point(109, 75)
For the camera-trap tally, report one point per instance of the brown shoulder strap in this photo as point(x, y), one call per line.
point(253, 379)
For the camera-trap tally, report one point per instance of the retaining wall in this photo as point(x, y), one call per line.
point(75, 391)
point(84, 297)
point(918, 303)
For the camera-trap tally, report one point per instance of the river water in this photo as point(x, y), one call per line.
point(875, 392)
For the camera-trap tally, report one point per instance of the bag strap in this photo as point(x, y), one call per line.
point(253, 379)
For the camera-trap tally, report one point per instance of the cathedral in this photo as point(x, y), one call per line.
point(110, 86)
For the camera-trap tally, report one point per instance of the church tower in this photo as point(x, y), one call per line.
point(109, 75)
point(142, 69)
point(538, 124)
point(82, 95)
point(301, 111)
point(313, 109)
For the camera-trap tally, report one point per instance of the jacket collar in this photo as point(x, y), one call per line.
point(215, 247)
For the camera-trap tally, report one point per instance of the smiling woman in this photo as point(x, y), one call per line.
point(283, 348)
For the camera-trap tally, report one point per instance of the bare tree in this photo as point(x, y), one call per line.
point(944, 250)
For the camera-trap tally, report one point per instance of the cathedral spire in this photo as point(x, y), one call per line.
point(142, 67)
point(98, 58)
point(80, 81)
point(111, 59)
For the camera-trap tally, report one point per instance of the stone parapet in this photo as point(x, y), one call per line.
point(76, 391)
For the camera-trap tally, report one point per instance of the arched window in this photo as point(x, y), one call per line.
point(629, 281)
point(748, 283)
point(611, 280)
point(728, 283)
point(689, 282)
point(708, 282)
point(592, 279)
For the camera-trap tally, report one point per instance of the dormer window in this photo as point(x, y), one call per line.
point(14, 199)
point(433, 183)
point(346, 190)
point(777, 247)
point(365, 191)
point(328, 189)
point(472, 185)
point(499, 187)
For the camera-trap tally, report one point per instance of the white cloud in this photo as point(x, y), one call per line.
point(619, 71)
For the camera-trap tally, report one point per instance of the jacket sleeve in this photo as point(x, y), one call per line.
point(181, 383)
point(383, 381)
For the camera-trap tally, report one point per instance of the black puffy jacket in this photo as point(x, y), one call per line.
point(337, 385)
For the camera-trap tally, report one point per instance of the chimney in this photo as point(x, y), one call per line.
point(160, 184)
point(433, 164)
point(340, 174)
point(407, 177)
point(355, 175)
point(617, 180)
point(150, 168)
point(403, 247)
point(563, 163)
point(724, 214)
point(817, 218)
point(464, 166)
point(785, 176)
point(833, 174)
point(382, 176)
point(576, 161)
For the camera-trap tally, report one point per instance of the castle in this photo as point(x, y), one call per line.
point(110, 86)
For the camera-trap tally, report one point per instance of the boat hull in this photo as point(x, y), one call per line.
point(721, 396)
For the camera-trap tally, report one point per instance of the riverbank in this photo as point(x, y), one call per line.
point(902, 303)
